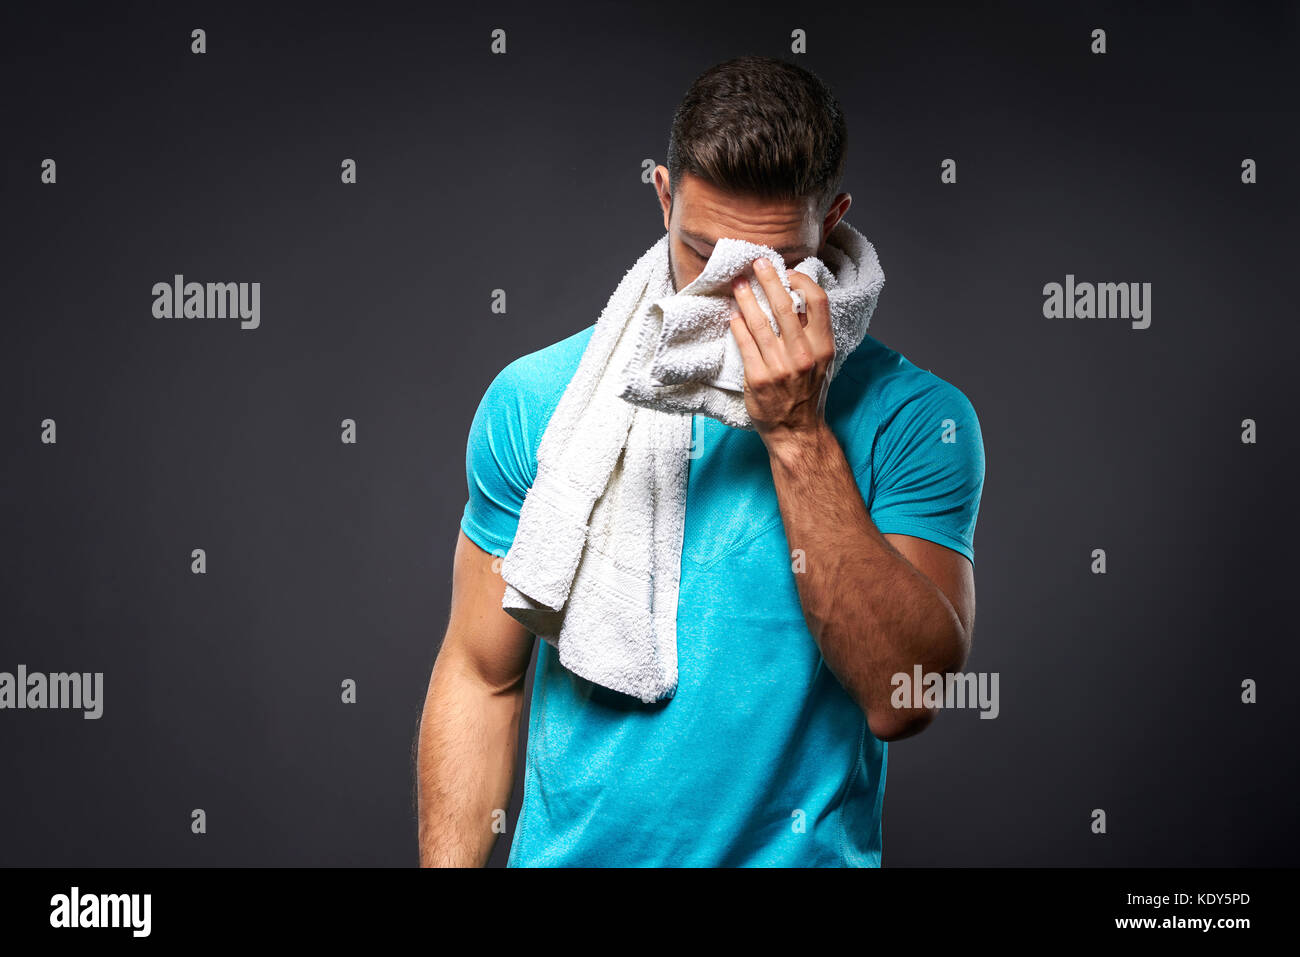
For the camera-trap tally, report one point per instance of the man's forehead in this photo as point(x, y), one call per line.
point(701, 236)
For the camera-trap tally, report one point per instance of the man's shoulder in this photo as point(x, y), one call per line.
point(518, 403)
point(541, 368)
point(537, 379)
point(888, 382)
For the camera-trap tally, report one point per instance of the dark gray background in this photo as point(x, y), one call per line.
point(522, 172)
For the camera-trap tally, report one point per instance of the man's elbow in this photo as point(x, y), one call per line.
point(892, 724)
point(889, 721)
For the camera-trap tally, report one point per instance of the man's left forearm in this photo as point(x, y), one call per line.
point(871, 612)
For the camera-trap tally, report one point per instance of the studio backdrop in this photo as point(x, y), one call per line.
point(239, 527)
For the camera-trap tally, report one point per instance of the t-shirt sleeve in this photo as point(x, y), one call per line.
point(499, 464)
point(928, 468)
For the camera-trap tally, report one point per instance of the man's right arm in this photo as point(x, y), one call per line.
point(470, 728)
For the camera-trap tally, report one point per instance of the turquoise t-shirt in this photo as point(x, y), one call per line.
point(760, 758)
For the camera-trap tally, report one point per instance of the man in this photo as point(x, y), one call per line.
point(824, 552)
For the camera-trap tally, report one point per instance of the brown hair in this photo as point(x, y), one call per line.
point(759, 125)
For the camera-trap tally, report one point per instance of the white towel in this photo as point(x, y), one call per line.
point(596, 559)
point(687, 359)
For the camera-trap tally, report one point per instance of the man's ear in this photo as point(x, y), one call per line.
point(838, 208)
point(662, 184)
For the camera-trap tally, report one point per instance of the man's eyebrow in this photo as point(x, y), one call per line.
point(784, 250)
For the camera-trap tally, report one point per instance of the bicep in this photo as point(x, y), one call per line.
point(927, 472)
point(952, 573)
point(926, 482)
point(482, 639)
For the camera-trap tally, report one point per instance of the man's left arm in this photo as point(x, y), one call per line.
point(876, 604)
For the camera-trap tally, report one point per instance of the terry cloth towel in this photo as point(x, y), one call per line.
point(596, 559)
point(687, 359)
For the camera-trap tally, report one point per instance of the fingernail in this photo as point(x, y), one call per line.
point(738, 282)
point(762, 265)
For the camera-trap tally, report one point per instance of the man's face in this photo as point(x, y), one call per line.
point(700, 214)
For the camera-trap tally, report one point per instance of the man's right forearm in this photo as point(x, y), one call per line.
point(468, 739)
